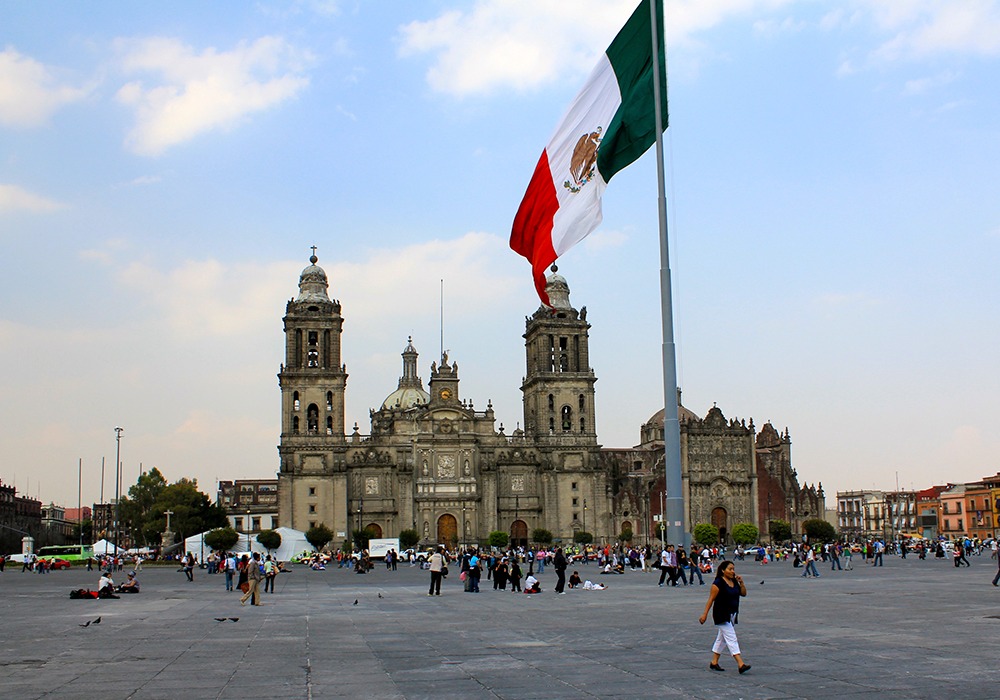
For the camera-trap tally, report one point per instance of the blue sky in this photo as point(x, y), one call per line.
point(834, 223)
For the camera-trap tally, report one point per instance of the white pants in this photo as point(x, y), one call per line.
point(726, 638)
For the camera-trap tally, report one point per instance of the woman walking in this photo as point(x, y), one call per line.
point(724, 600)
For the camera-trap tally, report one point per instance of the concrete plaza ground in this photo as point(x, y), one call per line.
point(911, 629)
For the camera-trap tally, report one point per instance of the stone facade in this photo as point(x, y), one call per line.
point(432, 461)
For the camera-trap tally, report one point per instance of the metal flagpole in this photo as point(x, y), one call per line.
point(671, 427)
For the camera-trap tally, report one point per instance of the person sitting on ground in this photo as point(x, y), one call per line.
point(575, 580)
point(531, 584)
point(131, 585)
point(106, 586)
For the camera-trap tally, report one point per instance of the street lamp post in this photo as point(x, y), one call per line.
point(248, 530)
point(463, 524)
point(585, 515)
point(517, 505)
point(361, 520)
point(118, 474)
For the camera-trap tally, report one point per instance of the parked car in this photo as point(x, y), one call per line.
point(57, 563)
point(15, 558)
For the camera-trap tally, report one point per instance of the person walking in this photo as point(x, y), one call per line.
point(254, 576)
point(724, 602)
point(810, 565)
point(835, 557)
point(559, 564)
point(437, 571)
point(879, 549)
point(229, 568)
point(996, 579)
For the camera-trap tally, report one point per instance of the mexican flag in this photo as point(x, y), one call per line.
point(608, 126)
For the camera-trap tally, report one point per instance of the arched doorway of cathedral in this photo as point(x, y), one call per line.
point(519, 533)
point(719, 516)
point(627, 530)
point(447, 530)
point(374, 530)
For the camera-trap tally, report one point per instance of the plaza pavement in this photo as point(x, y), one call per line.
point(911, 629)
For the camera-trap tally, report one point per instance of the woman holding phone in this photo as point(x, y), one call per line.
point(724, 601)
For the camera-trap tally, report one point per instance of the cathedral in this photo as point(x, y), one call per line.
point(434, 463)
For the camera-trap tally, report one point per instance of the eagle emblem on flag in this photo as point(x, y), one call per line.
point(583, 163)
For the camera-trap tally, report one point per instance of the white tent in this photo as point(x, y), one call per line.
point(292, 542)
point(104, 547)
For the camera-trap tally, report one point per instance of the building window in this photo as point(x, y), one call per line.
point(567, 419)
point(296, 404)
point(238, 523)
point(573, 486)
point(312, 419)
point(256, 524)
point(312, 508)
point(329, 425)
point(581, 402)
point(575, 501)
point(312, 490)
point(295, 424)
point(329, 400)
point(312, 524)
point(552, 402)
point(959, 524)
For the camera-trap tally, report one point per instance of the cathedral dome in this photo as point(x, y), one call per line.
point(313, 282)
point(406, 397)
point(557, 289)
point(683, 414)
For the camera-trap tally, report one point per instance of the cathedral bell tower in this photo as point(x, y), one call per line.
point(312, 381)
point(558, 386)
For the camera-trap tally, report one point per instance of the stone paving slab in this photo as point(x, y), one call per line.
point(910, 629)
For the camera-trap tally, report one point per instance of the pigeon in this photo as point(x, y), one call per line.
point(97, 621)
point(86, 624)
point(235, 619)
point(355, 601)
point(380, 595)
point(220, 619)
point(762, 583)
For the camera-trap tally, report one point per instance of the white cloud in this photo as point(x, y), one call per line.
point(13, 198)
point(925, 27)
point(601, 240)
point(920, 86)
point(526, 44)
point(772, 27)
point(190, 93)
point(29, 94)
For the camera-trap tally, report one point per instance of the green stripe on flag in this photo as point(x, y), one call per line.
point(632, 131)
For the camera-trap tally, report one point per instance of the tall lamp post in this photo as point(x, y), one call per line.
point(585, 515)
point(248, 529)
point(118, 474)
point(517, 504)
point(361, 520)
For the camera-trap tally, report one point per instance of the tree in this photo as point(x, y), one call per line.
point(88, 531)
point(143, 510)
point(541, 535)
point(319, 536)
point(582, 537)
point(270, 539)
point(781, 531)
point(408, 538)
point(498, 538)
point(362, 538)
point(819, 530)
point(745, 533)
point(625, 535)
point(222, 539)
point(706, 533)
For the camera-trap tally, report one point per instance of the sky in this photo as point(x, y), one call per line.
point(834, 224)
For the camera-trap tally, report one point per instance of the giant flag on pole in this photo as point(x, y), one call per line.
point(608, 126)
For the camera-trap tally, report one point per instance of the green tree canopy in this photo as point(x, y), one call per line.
point(87, 526)
point(819, 530)
point(408, 538)
point(143, 510)
point(745, 533)
point(781, 531)
point(625, 535)
point(319, 536)
point(582, 537)
point(222, 539)
point(498, 538)
point(541, 535)
point(706, 533)
point(269, 539)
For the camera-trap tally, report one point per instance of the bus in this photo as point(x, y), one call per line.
point(74, 553)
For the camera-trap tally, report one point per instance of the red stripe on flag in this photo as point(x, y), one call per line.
point(531, 235)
